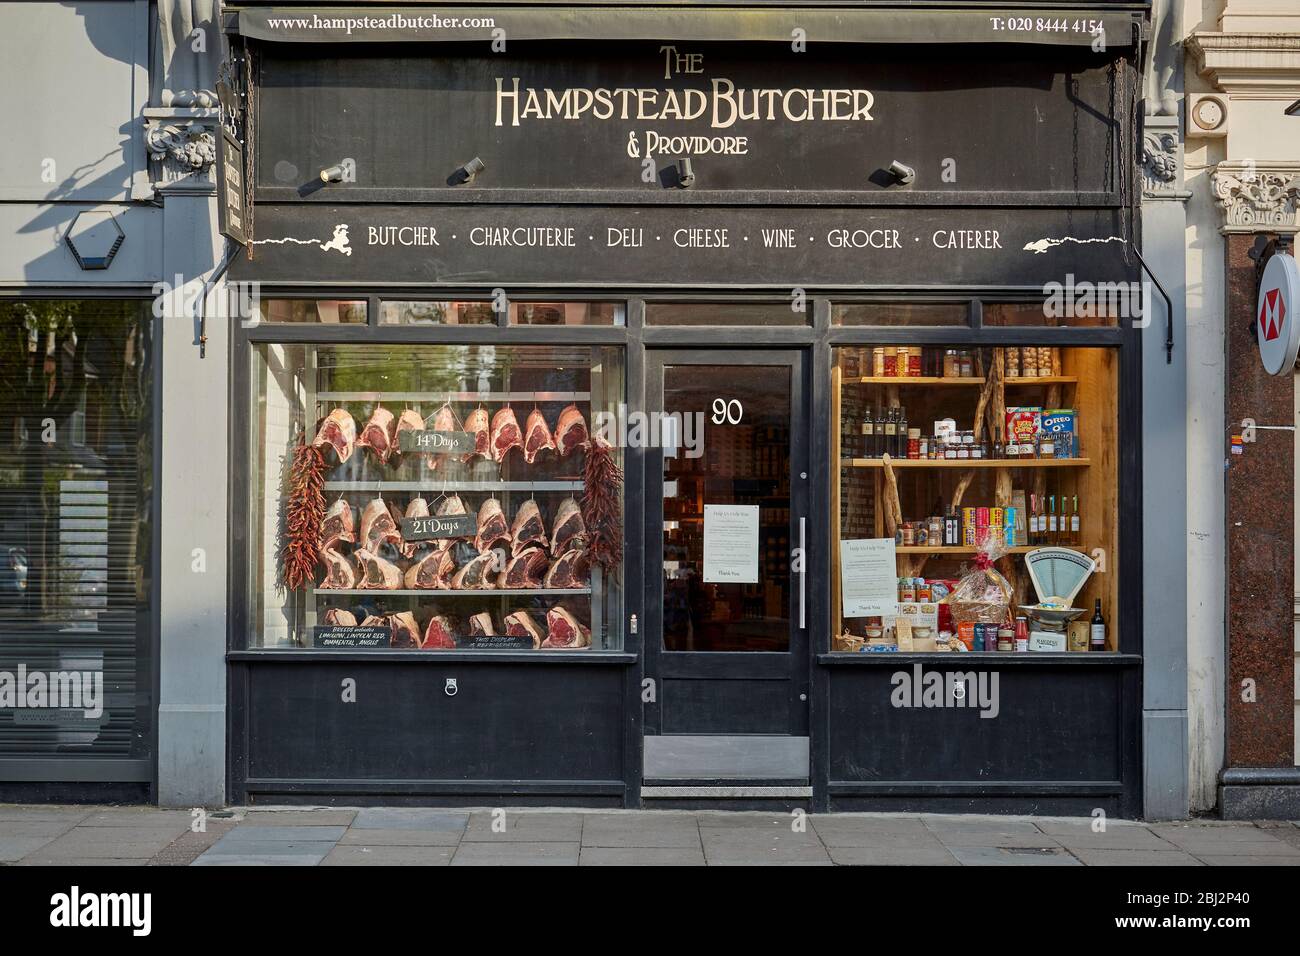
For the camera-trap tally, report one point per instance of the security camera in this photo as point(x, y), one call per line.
point(902, 172)
point(685, 174)
point(465, 174)
point(332, 174)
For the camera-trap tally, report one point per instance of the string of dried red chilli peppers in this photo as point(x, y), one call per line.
point(602, 492)
point(303, 515)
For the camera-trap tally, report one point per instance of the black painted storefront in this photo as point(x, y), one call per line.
point(568, 728)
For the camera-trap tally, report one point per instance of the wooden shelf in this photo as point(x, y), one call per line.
point(963, 464)
point(970, 380)
point(448, 592)
point(440, 397)
point(959, 549)
point(434, 484)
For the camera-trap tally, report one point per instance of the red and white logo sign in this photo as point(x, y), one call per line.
point(1276, 328)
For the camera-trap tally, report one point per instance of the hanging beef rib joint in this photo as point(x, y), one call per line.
point(528, 529)
point(477, 425)
point(525, 570)
point(338, 617)
point(570, 570)
point(521, 624)
point(492, 527)
point(379, 434)
point(378, 526)
point(476, 575)
point(480, 625)
point(537, 436)
point(438, 633)
point(339, 431)
point(563, 630)
point(570, 530)
point(570, 430)
point(444, 420)
point(410, 421)
point(337, 526)
point(406, 630)
point(505, 433)
point(434, 570)
point(339, 573)
point(376, 573)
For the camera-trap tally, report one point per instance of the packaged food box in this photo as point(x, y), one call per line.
point(1062, 424)
point(919, 614)
point(1023, 424)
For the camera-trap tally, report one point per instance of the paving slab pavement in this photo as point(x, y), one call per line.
point(419, 836)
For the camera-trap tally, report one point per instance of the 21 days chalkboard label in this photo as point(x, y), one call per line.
point(434, 526)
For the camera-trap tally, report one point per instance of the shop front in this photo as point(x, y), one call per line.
point(620, 410)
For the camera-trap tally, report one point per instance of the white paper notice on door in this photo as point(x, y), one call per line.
point(869, 577)
point(731, 544)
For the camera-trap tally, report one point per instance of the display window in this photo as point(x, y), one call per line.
point(987, 478)
point(436, 497)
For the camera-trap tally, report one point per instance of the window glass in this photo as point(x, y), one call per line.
point(329, 311)
point(76, 490)
point(436, 313)
point(455, 512)
point(709, 313)
point(567, 313)
point(1103, 306)
point(901, 313)
point(973, 449)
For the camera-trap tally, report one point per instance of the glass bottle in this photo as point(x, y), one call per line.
point(1076, 535)
point(868, 434)
point(900, 434)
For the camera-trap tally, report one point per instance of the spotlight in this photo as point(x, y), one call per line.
point(902, 172)
point(466, 173)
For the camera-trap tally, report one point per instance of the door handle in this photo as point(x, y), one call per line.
point(803, 571)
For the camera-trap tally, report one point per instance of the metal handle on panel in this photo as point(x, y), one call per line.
point(803, 570)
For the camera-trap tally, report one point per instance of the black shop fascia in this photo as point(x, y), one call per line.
point(521, 223)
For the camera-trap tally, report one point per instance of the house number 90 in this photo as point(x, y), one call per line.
point(727, 411)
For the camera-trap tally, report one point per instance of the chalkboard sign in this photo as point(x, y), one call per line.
point(339, 635)
point(495, 642)
point(435, 442)
point(434, 527)
point(230, 189)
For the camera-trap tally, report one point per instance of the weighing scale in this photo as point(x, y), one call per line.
point(1059, 574)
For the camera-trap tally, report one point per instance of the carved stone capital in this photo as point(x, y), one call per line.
point(182, 148)
point(1257, 197)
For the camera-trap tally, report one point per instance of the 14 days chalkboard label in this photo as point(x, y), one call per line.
point(435, 442)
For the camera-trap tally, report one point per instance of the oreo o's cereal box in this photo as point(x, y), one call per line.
point(1062, 424)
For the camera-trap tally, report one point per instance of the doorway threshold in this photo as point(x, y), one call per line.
point(727, 760)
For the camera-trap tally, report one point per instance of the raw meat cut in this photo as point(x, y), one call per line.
point(339, 617)
point(339, 431)
point(525, 570)
point(444, 420)
point(377, 573)
point(438, 633)
point(406, 630)
point(379, 434)
point(434, 570)
point(451, 505)
point(477, 424)
point(337, 526)
point(528, 528)
point(417, 508)
point(570, 430)
point(570, 570)
point(476, 575)
point(505, 433)
point(380, 620)
point(537, 436)
point(410, 421)
point(564, 630)
point(378, 526)
point(338, 571)
point(521, 624)
point(480, 625)
point(569, 529)
point(492, 527)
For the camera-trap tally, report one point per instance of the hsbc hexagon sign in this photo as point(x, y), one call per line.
point(1277, 325)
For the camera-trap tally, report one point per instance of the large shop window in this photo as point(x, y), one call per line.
point(466, 499)
point(76, 488)
point(987, 479)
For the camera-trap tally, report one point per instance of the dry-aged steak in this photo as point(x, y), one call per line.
point(409, 421)
point(528, 528)
point(476, 575)
point(569, 570)
point(438, 633)
point(376, 573)
point(338, 617)
point(380, 434)
point(339, 431)
point(525, 570)
point(537, 436)
point(570, 430)
point(480, 625)
point(521, 624)
point(570, 529)
point(337, 526)
point(477, 424)
point(492, 528)
point(506, 433)
point(434, 570)
point(339, 572)
point(451, 505)
point(406, 630)
point(564, 630)
point(378, 526)
point(444, 420)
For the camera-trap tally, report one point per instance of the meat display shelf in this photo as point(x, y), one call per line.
point(452, 592)
point(960, 463)
point(960, 549)
point(435, 486)
point(453, 396)
point(960, 380)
